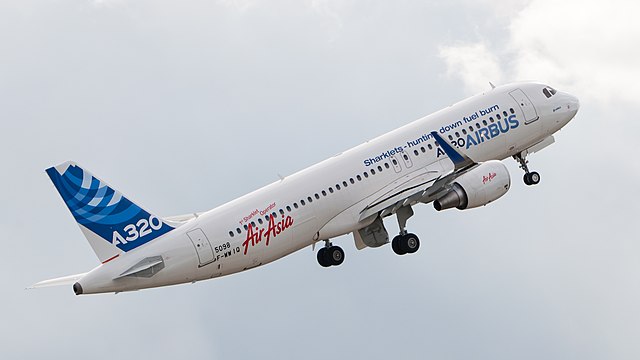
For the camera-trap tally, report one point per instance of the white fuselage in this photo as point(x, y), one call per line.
point(341, 194)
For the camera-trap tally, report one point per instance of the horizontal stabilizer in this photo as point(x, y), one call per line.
point(147, 267)
point(65, 280)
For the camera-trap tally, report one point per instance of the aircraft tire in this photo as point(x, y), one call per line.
point(322, 258)
point(396, 245)
point(410, 243)
point(534, 178)
point(335, 255)
point(527, 179)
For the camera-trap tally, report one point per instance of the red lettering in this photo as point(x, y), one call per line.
point(254, 236)
point(251, 235)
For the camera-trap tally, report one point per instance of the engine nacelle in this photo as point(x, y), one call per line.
point(477, 187)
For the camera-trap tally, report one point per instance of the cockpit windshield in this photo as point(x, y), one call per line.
point(549, 91)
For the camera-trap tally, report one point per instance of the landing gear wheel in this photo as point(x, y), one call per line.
point(534, 178)
point(395, 245)
point(335, 255)
point(330, 256)
point(322, 258)
point(405, 244)
point(410, 243)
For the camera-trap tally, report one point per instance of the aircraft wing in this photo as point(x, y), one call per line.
point(432, 183)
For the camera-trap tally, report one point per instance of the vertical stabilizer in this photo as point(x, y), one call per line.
point(111, 223)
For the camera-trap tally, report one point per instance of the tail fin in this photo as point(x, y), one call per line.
point(111, 223)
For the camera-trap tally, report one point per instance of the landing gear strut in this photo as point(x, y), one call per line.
point(405, 243)
point(530, 178)
point(330, 255)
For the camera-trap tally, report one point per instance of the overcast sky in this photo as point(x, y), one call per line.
point(184, 105)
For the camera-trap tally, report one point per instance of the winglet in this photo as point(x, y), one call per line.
point(459, 159)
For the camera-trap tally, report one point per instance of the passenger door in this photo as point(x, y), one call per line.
point(529, 111)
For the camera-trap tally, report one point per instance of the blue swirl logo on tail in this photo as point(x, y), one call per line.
point(103, 210)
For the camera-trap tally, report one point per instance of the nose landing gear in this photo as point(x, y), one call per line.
point(530, 178)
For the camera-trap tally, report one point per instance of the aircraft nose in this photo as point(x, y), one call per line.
point(572, 104)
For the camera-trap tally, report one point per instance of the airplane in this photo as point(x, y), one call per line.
point(451, 158)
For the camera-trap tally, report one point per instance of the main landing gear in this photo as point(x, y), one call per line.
point(330, 255)
point(405, 243)
point(530, 178)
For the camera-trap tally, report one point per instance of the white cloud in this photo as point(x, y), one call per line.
point(580, 46)
point(474, 63)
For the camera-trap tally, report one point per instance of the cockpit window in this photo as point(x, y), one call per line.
point(549, 91)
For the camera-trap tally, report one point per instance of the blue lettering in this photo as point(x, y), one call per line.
point(513, 121)
point(493, 129)
point(506, 126)
point(471, 140)
point(483, 134)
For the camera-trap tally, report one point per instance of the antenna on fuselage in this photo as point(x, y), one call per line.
point(492, 86)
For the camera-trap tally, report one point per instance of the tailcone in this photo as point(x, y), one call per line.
point(77, 288)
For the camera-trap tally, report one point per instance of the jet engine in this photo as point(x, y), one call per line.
point(477, 187)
